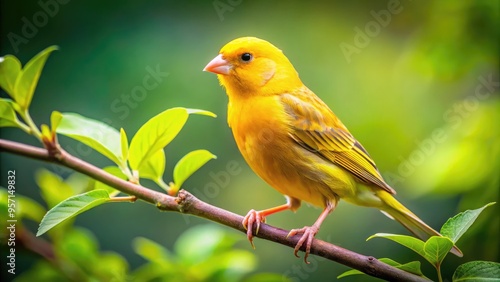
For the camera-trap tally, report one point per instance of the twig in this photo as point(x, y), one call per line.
point(36, 245)
point(189, 204)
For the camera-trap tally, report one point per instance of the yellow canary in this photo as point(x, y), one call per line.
point(293, 141)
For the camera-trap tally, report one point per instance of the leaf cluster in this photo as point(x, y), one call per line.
point(436, 248)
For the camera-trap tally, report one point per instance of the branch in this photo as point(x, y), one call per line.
point(36, 245)
point(188, 204)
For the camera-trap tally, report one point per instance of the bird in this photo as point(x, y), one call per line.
point(294, 142)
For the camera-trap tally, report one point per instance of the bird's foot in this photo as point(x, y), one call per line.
point(252, 217)
point(308, 233)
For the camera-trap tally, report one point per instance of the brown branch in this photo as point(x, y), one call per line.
point(35, 244)
point(189, 204)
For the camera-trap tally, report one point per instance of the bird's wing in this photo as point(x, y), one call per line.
point(317, 129)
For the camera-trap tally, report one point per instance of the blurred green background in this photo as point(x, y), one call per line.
point(417, 83)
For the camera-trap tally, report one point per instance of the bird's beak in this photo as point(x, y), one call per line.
point(218, 65)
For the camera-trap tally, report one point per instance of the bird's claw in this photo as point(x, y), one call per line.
point(252, 217)
point(308, 233)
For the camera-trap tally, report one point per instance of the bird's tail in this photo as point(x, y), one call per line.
point(400, 213)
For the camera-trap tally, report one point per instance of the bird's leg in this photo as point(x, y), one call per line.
point(256, 217)
point(310, 231)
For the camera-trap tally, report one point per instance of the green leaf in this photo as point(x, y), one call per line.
point(230, 265)
point(211, 250)
point(189, 164)
point(78, 182)
point(71, 207)
point(436, 248)
point(28, 78)
point(161, 260)
point(116, 171)
point(78, 246)
point(153, 272)
point(201, 112)
point(10, 67)
point(155, 134)
point(477, 271)
point(55, 120)
point(111, 267)
point(124, 145)
point(54, 190)
point(152, 251)
point(412, 267)
point(29, 208)
point(456, 226)
point(154, 167)
point(412, 243)
point(199, 243)
point(349, 273)
point(46, 133)
point(8, 117)
point(95, 134)
point(158, 132)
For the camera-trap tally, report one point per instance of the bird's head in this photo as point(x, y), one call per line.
point(252, 66)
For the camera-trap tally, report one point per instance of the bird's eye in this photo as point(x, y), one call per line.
point(246, 57)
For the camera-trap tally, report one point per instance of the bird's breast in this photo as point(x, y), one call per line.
point(261, 130)
point(260, 126)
